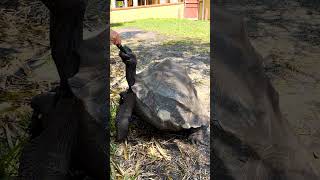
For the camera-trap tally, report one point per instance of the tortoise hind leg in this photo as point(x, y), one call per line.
point(126, 106)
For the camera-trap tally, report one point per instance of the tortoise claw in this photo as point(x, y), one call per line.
point(198, 137)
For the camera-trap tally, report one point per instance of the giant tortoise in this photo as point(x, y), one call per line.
point(164, 96)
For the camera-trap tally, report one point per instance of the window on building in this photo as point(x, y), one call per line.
point(131, 3)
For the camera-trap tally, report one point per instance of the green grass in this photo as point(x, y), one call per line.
point(182, 28)
point(113, 111)
point(10, 161)
point(9, 157)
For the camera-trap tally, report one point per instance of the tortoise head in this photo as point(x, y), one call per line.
point(129, 59)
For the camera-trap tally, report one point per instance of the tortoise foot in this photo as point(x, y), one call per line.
point(199, 136)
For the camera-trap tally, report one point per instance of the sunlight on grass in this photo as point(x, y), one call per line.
point(182, 28)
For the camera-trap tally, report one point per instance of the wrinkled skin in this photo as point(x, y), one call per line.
point(129, 59)
point(251, 139)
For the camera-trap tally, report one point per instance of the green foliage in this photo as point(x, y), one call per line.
point(9, 162)
point(113, 113)
point(9, 157)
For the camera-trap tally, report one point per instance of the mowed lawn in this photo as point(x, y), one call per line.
point(180, 28)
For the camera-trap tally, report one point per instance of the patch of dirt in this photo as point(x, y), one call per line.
point(149, 153)
point(287, 35)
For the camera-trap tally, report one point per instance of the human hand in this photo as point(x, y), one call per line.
point(115, 37)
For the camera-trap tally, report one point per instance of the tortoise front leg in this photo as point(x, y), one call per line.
point(127, 101)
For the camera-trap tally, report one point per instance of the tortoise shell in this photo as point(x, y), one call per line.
point(166, 97)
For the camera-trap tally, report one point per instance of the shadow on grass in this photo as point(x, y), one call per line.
point(113, 25)
point(130, 34)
